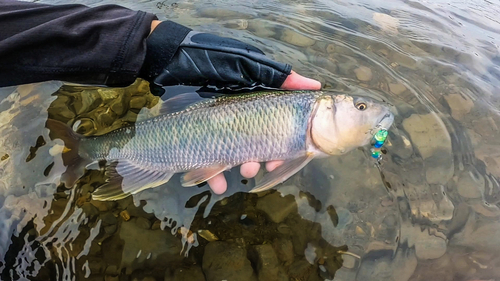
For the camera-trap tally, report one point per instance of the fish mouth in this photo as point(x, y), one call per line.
point(385, 122)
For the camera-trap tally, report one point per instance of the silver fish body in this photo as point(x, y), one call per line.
point(213, 135)
point(228, 131)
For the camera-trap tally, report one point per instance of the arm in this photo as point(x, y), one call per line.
point(104, 45)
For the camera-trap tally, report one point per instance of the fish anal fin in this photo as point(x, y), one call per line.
point(198, 176)
point(126, 178)
point(282, 173)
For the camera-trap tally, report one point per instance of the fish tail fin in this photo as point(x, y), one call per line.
point(69, 152)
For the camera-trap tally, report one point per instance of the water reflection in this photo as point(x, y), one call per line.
point(430, 211)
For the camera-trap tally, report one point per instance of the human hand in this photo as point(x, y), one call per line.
point(177, 55)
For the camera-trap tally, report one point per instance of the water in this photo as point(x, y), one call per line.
point(429, 212)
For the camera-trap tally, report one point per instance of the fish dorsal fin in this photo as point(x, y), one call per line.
point(282, 173)
point(198, 176)
point(180, 102)
point(126, 178)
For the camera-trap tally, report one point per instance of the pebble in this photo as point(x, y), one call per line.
point(89, 209)
point(125, 215)
point(110, 229)
point(143, 223)
point(296, 38)
point(277, 207)
point(363, 73)
point(349, 261)
point(428, 134)
point(153, 248)
point(300, 270)
point(397, 88)
point(459, 105)
point(85, 127)
point(105, 119)
point(137, 102)
point(428, 247)
point(387, 23)
point(284, 250)
point(207, 235)
point(469, 185)
point(226, 261)
point(102, 206)
point(268, 267)
point(86, 101)
point(439, 168)
point(108, 219)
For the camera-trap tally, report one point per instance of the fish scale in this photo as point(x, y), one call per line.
point(227, 131)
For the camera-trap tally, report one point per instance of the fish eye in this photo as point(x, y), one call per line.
point(361, 106)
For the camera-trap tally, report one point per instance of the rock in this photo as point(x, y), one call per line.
point(147, 248)
point(108, 219)
point(363, 73)
point(459, 105)
point(428, 134)
point(86, 101)
point(193, 273)
point(240, 24)
point(397, 88)
point(330, 48)
point(89, 210)
point(106, 119)
point(387, 23)
point(85, 127)
point(277, 207)
point(110, 229)
point(112, 270)
point(284, 251)
point(261, 28)
point(143, 223)
point(429, 247)
point(268, 267)
point(300, 270)
point(296, 38)
point(349, 261)
point(226, 261)
point(138, 102)
point(102, 206)
point(469, 185)
point(111, 278)
point(439, 168)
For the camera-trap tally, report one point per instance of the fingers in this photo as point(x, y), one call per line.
point(218, 184)
point(271, 165)
point(250, 169)
point(296, 81)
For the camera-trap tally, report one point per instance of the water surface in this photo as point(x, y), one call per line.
point(430, 211)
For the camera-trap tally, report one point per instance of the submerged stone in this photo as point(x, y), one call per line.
point(227, 261)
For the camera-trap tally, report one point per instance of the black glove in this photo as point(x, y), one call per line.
point(176, 55)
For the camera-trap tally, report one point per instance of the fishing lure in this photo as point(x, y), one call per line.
point(378, 140)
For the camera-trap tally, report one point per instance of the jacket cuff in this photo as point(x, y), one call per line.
point(161, 46)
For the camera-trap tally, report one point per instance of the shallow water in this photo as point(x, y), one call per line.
point(429, 212)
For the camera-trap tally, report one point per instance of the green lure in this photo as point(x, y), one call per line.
point(378, 140)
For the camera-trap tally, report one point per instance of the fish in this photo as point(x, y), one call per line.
point(203, 137)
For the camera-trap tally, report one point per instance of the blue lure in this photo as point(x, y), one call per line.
point(378, 141)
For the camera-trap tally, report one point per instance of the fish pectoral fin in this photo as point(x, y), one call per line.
point(198, 176)
point(126, 178)
point(282, 173)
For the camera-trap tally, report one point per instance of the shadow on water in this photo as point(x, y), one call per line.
point(429, 212)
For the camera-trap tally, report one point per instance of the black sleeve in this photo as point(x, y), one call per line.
point(104, 45)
